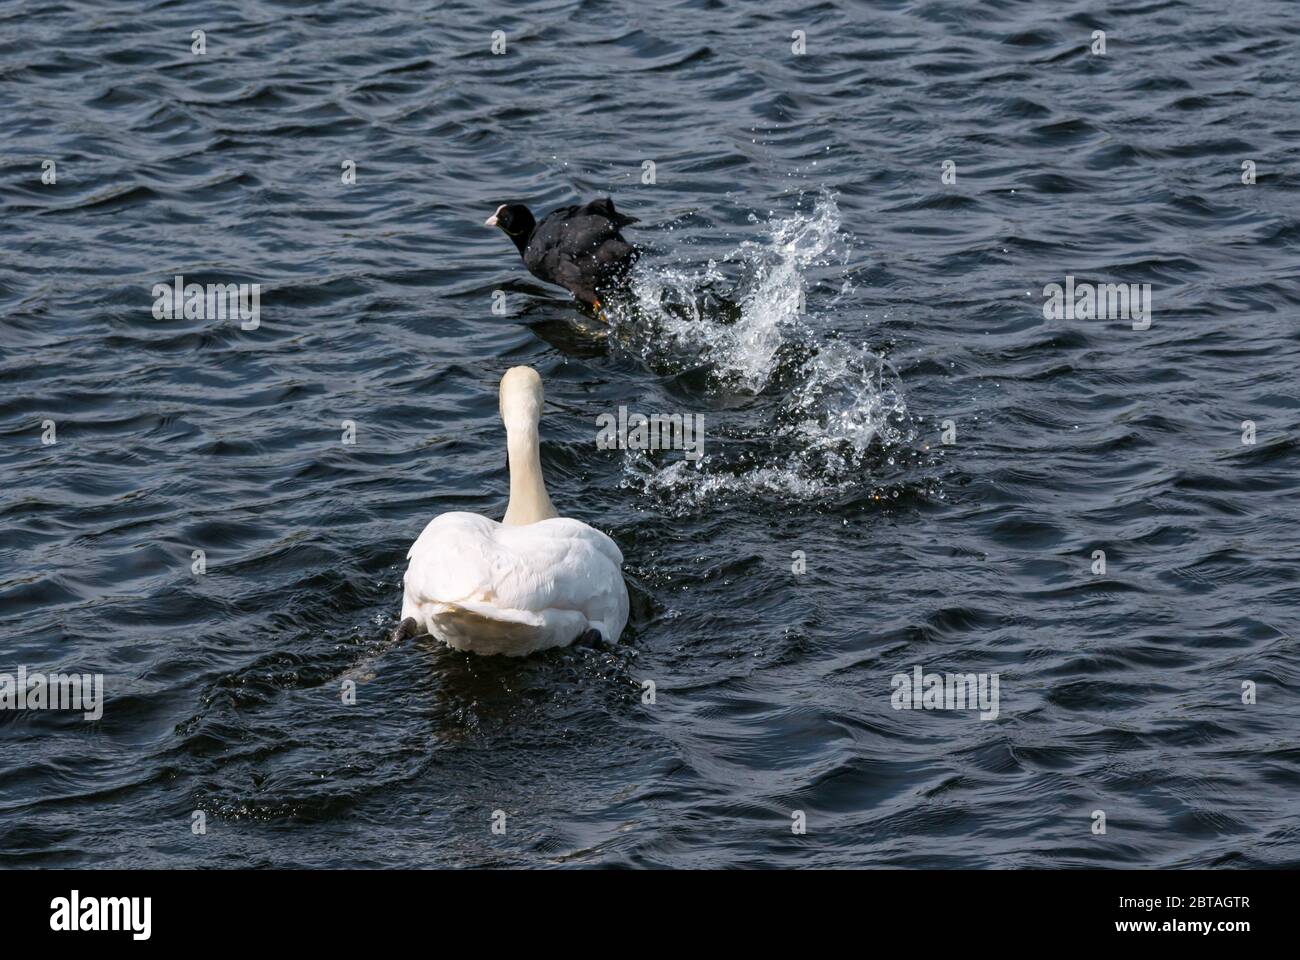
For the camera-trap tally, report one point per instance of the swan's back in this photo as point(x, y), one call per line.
point(478, 585)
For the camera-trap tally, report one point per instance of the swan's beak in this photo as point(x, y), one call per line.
point(490, 221)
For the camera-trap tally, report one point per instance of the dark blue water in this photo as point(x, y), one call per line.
point(777, 176)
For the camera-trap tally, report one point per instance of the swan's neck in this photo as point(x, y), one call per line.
point(528, 500)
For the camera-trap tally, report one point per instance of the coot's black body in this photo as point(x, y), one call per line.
point(577, 247)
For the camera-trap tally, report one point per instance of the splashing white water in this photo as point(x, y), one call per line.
point(771, 295)
point(833, 399)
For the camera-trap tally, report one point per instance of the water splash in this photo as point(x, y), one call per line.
point(836, 418)
point(681, 317)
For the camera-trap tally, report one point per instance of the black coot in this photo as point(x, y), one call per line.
point(577, 247)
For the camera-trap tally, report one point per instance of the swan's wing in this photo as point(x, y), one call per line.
point(451, 559)
point(560, 564)
point(565, 528)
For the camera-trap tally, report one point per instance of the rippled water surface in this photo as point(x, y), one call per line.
point(811, 287)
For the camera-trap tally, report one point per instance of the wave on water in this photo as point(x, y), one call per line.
point(799, 412)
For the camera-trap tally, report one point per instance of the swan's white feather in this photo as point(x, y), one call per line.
point(482, 586)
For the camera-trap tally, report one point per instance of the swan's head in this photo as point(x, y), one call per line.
point(521, 398)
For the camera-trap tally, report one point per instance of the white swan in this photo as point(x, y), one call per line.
point(533, 581)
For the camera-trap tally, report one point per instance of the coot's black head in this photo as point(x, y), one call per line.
point(516, 220)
